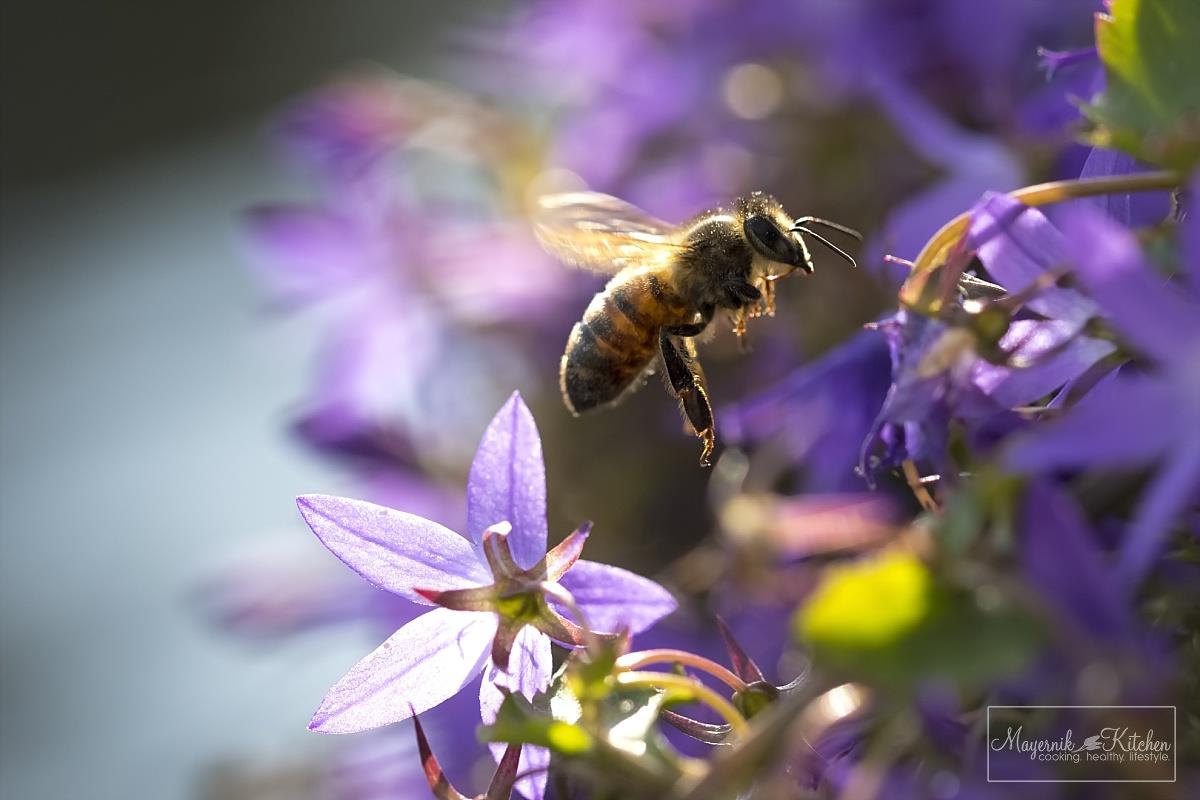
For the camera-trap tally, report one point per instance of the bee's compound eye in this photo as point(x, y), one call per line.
point(766, 237)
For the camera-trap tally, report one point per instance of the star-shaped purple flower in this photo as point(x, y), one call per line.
point(491, 585)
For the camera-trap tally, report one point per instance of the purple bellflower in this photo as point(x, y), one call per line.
point(490, 585)
point(412, 276)
point(1136, 418)
point(939, 376)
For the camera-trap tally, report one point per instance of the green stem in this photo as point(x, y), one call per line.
point(667, 681)
point(633, 661)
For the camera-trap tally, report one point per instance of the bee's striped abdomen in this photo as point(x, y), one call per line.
point(614, 343)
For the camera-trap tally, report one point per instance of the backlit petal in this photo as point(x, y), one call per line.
point(614, 598)
point(508, 482)
point(529, 670)
point(418, 667)
point(391, 549)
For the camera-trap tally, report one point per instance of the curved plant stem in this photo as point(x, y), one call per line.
point(632, 661)
point(933, 253)
point(913, 476)
point(667, 680)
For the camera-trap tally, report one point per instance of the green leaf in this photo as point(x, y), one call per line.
point(1151, 106)
point(518, 722)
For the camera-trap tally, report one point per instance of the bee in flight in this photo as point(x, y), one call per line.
point(668, 284)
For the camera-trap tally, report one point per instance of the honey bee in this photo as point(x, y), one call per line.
point(668, 284)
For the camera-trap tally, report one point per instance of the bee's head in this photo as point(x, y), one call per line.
point(774, 243)
point(775, 236)
point(767, 228)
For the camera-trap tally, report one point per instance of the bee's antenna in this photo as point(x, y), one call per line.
point(826, 223)
point(828, 244)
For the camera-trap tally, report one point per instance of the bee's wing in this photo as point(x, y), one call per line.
point(601, 233)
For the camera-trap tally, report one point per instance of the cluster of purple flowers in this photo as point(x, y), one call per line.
point(989, 496)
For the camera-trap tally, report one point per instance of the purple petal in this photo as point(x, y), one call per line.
point(973, 163)
point(1054, 60)
point(1153, 315)
point(938, 139)
point(1018, 245)
point(1189, 234)
point(1130, 209)
point(529, 670)
point(418, 667)
point(367, 387)
point(304, 253)
point(820, 413)
point(1173, 488)
point(508, 482)
point(1127, 421)
point(614, 598)
point(391, 549)
point(1063, 561)
point(1056, 355)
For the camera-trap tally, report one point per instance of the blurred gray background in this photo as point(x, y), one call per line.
point(143, 390)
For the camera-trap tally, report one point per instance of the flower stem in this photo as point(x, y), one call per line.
point(643, 658)
point(933, 253)
point(667, 680)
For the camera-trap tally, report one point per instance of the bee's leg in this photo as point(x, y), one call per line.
point(694, 328)
point(743, 294)
point(769, 296)
point(687, 384)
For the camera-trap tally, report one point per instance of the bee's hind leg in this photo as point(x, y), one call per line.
point(687, 383)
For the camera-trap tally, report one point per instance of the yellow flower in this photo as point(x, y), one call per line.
point(868, 603)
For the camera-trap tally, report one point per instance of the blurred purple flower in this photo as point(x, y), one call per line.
point(820, 413)
point(276, 592)
point(435, 655)
point(1052, 61)
point(279, 589)
point(338, 131)
point(343, 131)
point(1073, 77)
point(399, 372)
point(931, 365)
point(412, 275)
point(1138, 418)
point(973, 164)
point(381, 766)
point(1054, 533)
